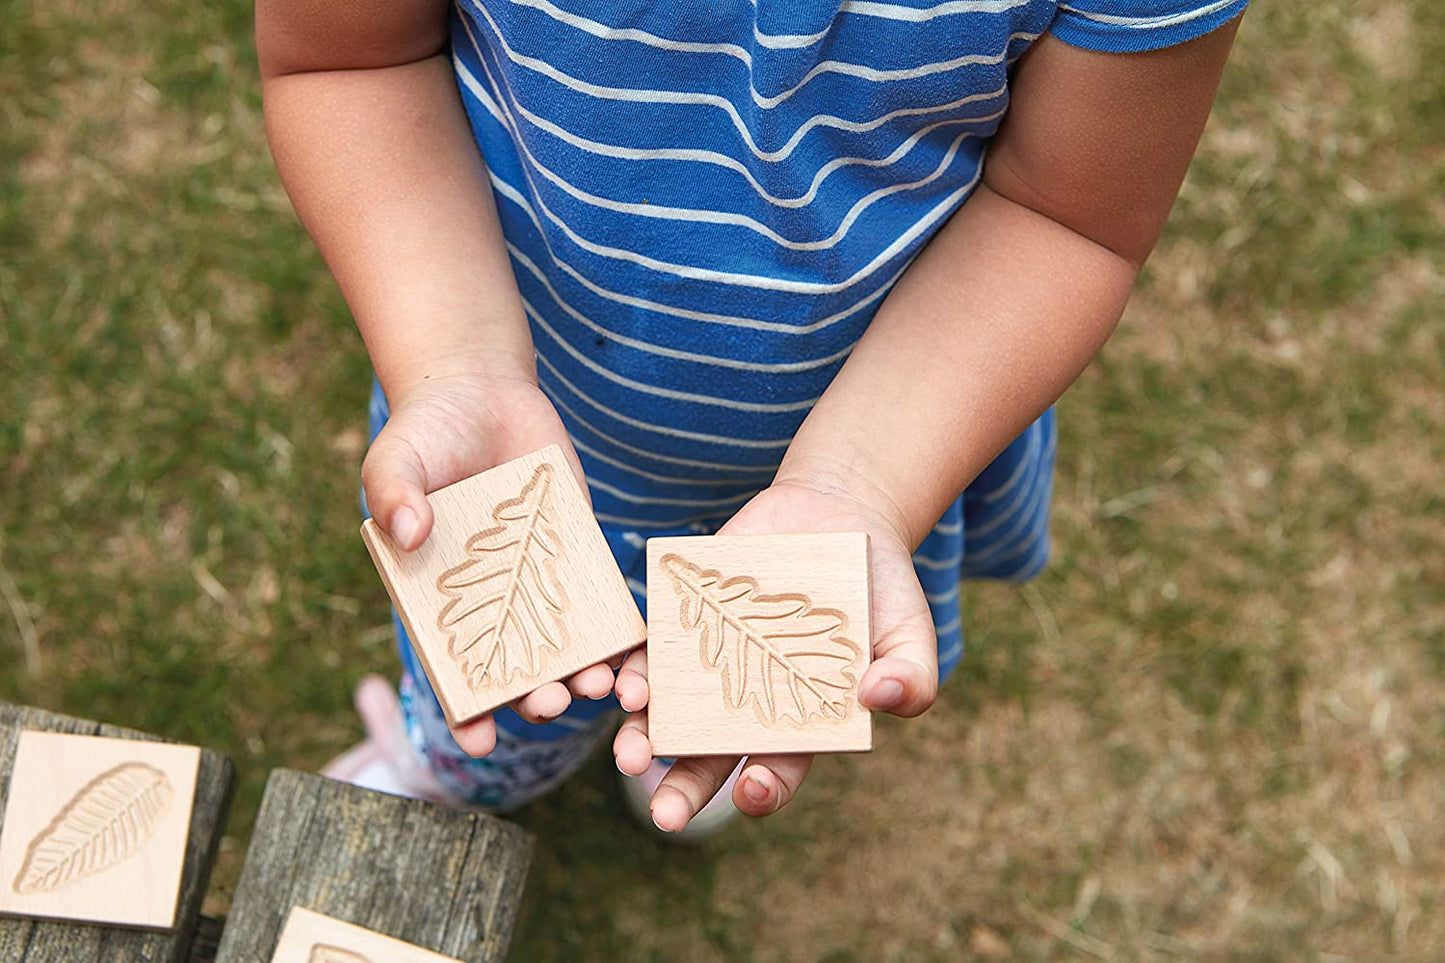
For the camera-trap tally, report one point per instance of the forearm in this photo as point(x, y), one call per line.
point(382, 168)
point(992, 322)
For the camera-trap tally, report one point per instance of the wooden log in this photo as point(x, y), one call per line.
point(444, 879)
point(206, 940)
point(46, 941)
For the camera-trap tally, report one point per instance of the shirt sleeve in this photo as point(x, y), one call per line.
point(1130, 26)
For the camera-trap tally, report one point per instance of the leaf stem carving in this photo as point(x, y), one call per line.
point(542, 482)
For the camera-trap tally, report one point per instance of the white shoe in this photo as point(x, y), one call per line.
point(385, 760)
point(715, 816)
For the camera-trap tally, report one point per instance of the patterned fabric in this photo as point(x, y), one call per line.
point(704, 204)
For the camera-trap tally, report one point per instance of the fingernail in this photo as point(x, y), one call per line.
point(887, 694)
point(618, 763)
point(403, 525)
point(754, 790)
point(659, 825)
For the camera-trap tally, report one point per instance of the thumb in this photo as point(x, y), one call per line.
point(903, 679)
point(395, 481)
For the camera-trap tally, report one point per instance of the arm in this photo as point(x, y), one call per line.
point(985, 330)
point(375, 149)
point(1021, 288)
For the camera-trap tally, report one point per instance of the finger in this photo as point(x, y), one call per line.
point(478, 737)
point(631, 682)
point(903, 678)
point(544, 704)
point(593, 682)
point(395, 482)
point(687, 787)
point(630, 747)
point(768, 783)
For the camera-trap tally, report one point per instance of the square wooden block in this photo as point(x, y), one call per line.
point(95, 829)
point(311, 937)
point(515, 586)
point(757, 643)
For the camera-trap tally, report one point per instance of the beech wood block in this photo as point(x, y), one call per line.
point(447, 879)
point(757, 644)
point(515, 586)
point(32, 940)
point(311, 937)
point(95, 829)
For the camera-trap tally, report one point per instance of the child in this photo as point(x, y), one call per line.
point(744, 260)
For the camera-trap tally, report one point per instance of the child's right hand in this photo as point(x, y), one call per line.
point(443, 430)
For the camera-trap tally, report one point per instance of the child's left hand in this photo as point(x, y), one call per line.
point(902, 679)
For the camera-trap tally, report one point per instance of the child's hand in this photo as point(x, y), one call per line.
point(440, 432)
point(903, 678)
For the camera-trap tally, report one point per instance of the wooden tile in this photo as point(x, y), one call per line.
point(95, 829)
point(311, 937)
point(515, 586)
point(757, 644)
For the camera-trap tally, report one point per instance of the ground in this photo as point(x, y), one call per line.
point(1211, 731)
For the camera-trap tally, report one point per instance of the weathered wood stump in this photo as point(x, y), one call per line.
point(443, 879)
point(37, 941)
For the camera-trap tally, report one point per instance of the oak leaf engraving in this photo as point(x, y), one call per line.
point(326, 953)
point(505, 601)
point(108, 820)
point(785, 655)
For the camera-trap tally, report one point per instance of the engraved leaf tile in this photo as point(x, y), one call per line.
point(325, 953)
point(782, 654)
point(107, 821)
point(505, 601)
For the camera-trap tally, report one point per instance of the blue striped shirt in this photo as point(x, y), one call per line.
point(705, 204)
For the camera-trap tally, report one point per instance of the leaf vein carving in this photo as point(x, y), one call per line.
point(498, 632)
point(749, 639)
point(326, 953)
point(108, 820)
point(759, 639)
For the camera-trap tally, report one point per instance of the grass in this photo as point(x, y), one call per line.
point(1210, 731)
